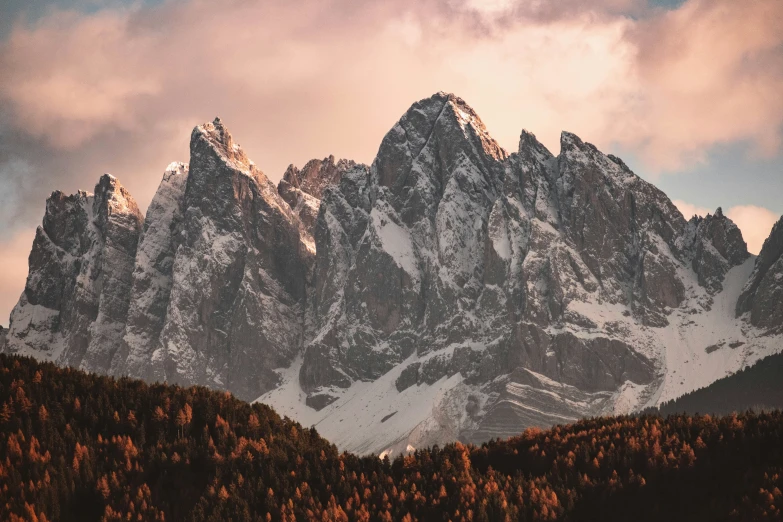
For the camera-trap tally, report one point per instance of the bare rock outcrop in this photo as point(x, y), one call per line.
point(762, 296)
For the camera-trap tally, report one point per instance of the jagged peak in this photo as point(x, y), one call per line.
point(574, 149)
point(173, 169)
point(773, 245)
point(291, 176)
point(216, 136)
point(570, 141)
point(463, 113)
point(175, 166)
point(529, 142)
point(114, 198)
point(770, 254)
point(316, 175)
point(569, 138)
point(526, 137)
point(59, 195)
point(108, 184)
point(718, 215)
point(724, 235)
point(442, 120)
point(111, 186)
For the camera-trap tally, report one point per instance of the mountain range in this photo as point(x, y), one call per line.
point(449, 291)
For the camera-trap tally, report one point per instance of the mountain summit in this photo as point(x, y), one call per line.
point(448, 291)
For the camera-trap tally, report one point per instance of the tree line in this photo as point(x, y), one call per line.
point(80, 447)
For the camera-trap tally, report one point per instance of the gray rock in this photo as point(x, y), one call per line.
point(536, 278)
point(303, 190)
point(76, 298)
point(714, 244)
point(762, 296)
point(236, 306)
point(153, 278)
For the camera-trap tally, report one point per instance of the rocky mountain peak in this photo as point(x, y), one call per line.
point(456, 291)
point(114, 202)
point(75, 302)
point(762, 296)
point(303, 190)
point(315, 176)
point(233, 287)
point(580, 154)
point(725, 237)
point(439, 149)
point(65, 221)
point(528, 141)
point(715, 245)
point(215, 137)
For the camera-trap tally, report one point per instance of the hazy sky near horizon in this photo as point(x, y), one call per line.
point(687, 92)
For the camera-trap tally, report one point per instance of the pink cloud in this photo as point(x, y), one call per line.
point(755, 224)
point(709, 72)
point(312, 78)
point(13, 259)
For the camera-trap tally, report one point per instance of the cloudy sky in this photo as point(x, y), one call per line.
point(689, 92)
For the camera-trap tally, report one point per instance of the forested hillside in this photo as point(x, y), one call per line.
point(759, 387)
point(78, 447)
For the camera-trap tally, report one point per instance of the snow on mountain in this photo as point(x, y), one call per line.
point(75, 301)
point(236, 303)
point(450, 290)
point(153, 278)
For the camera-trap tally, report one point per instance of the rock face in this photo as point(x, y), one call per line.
point(153, 278)
point(448, 291)
point(222, 264)
point(448, 242)
point(76, 299)
point(303, 190)
point(763, 294)
point(715, 245)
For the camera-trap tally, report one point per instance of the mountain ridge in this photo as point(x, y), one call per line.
point(480, 291)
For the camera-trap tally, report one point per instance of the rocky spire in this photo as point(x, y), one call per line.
point(75, 302)
point(716, 245)
point(153, 279)
point(236, 305)
point(303, 190)
point(762, 296)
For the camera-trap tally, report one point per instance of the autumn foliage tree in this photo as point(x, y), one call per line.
point(79, 447)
